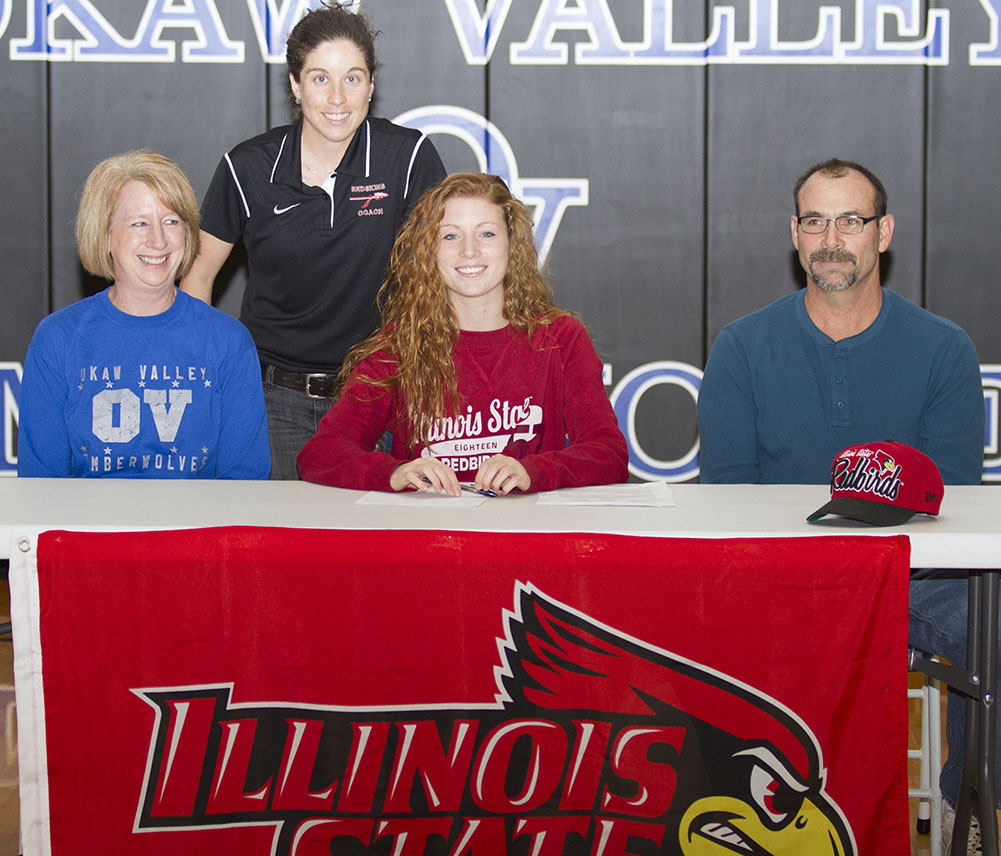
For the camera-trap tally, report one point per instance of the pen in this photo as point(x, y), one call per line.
point(465, 486)
point(472, 489)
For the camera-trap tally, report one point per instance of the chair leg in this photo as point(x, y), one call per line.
point(934, 691)
point(929, 793)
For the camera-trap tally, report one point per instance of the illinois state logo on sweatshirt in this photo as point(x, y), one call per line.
point(465, 441)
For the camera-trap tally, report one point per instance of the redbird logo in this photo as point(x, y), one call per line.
point(595, 743)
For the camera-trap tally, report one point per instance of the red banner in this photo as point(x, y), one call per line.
point(300, 692)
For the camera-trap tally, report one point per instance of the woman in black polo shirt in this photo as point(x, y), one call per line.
point(317, 205)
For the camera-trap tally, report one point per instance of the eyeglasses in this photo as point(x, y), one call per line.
point(849, 225)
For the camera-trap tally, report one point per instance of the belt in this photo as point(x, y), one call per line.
point(314, 384)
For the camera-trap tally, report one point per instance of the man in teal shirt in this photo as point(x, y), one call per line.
point(845, 362)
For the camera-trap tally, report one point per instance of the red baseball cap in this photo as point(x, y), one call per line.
point(884, 484)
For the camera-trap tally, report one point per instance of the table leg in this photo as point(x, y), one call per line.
point(988, 712)
point(971, 749)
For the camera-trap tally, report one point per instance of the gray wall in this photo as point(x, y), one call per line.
point(682, 125)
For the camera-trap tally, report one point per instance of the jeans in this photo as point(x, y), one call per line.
point(937, 609)
point(293, 418)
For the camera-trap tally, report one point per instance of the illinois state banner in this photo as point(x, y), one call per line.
point(297, 692)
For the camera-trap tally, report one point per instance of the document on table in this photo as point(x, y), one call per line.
point(655, 494)
point(419, 498)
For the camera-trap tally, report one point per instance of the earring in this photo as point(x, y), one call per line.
point(298, 100)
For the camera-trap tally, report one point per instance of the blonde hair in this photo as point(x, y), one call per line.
point(100, 196)
point(419, 328)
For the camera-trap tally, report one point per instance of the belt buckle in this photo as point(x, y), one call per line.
point(316, 376)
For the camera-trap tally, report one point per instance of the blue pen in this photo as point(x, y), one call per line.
point(465, 486)
point(472, 489)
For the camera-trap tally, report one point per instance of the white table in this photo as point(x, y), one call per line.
point(967, 534)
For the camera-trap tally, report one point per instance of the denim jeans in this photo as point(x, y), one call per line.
point(937, 608)
point(293, 418)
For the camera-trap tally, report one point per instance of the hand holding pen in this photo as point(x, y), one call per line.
point(426, 474)
point(498, 475)
point(502, 474)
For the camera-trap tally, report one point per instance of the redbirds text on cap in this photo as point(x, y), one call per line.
point(883, 483)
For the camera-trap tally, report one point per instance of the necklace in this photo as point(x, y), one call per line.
point(315, 171)
point(314, 177)
point(315, 151)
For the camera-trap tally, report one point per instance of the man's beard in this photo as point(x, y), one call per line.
point(841, 284)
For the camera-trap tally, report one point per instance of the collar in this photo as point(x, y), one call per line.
point(357, 159)
point(860, 338)
point(141, 321)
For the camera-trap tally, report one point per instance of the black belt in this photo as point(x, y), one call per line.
point(314, 384)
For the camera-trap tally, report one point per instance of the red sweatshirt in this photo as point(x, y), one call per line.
point(540, 401)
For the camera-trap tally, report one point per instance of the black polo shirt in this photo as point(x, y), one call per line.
point(316, 259)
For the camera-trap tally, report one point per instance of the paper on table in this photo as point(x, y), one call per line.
point(420, 498)
point(656, 494)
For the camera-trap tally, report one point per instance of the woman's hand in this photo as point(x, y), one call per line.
point(427, 474)
point(502, 474)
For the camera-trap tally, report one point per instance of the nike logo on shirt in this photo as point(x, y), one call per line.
point(286, 208)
